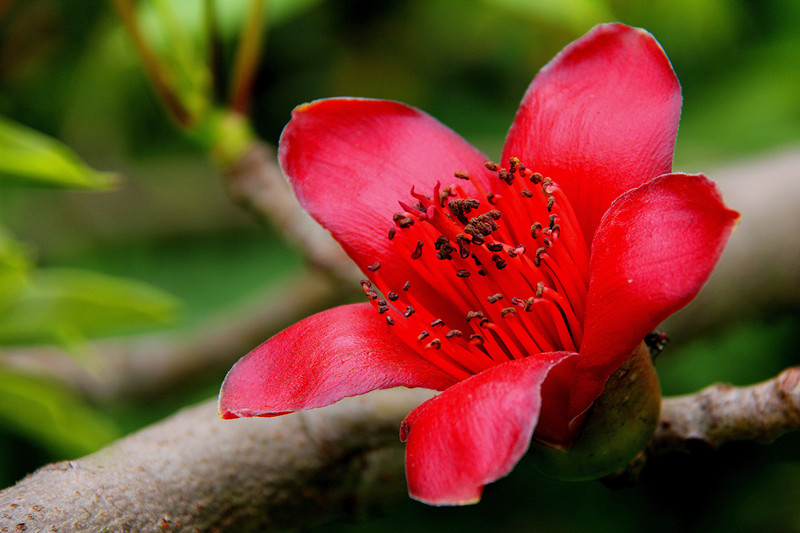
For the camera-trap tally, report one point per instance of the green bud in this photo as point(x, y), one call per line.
point(616, 428)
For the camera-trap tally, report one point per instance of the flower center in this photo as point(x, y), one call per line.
point(514, 262)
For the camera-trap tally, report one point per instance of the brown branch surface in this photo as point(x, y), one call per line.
point(722, 413)
point(195, 472)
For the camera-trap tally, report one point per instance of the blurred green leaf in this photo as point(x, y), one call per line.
point(52, 415)
point(32, 158)
point(575, 15)
point(65, 305)
point(14, 267)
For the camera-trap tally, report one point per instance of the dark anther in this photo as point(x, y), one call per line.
point(444, 195)
point(516, 300)
point(374, 267)
point(389, 320)
point(437, 322)
point(495, 247)
point(462, 273)
point(506, 176)
point(512, 164)
point(508, 311)
point(423, 335)
point(526, 193)
point(417, 251)
point(491, 165)
point(538, 259)
point(393, 296)
point(462, 242)
point(490, 198)
point(550, 202)
point(435, 344)
point(419, 207)
point(474, 314)
point(453, 333)
point(391, 233)
point(405, 222)
point(547, 183)
point(521, 169)
point(536, 178)
point(499, 262)
point(529, 303)
point(366, 284)
point(476, 338)
point(483, 322)
point(457, 208)
point(461, 175)
point(535, 228)
point(481, 272)
point(444, 247)
point(406, 285)
point(552, 221)
point(408, 312)
point(372, 293)
point(539, 289)
point(383, 308)
point(656, 341)
point(494, 214)
point(494, 297)
point(397, 216)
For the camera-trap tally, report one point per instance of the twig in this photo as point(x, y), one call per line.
point(722, 413)
point(160, 77)
point(139, 366)
point(256, 183)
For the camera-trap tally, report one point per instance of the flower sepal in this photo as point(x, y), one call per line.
point(616, 428)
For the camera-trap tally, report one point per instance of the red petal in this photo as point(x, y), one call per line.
point(340, 352)
point(654, 250)
point(351, 160)
point(600, 118)
point(474, 432)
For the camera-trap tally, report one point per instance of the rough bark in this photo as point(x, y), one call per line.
point(197, 473)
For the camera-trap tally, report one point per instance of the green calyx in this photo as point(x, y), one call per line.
point(617, 427)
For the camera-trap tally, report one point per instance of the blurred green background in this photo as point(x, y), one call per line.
point(164, 250)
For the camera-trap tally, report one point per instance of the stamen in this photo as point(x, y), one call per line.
point(526, 229)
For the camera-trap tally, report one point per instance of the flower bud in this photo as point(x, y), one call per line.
point(616, 428)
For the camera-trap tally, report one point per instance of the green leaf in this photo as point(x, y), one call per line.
point(52, 415)
point(14, 268)
point(67, 305)
point(32, 158)
point(574, 15)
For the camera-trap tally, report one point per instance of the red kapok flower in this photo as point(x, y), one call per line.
point(516, 289)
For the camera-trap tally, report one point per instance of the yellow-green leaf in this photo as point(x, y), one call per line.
point(28, 157)
point(60, 304)
point(52, 415)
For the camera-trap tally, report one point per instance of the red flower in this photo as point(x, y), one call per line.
point(489, 279)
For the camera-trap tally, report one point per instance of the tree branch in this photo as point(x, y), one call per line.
point(195, 472)
point(722, 413)
point(144, 365)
